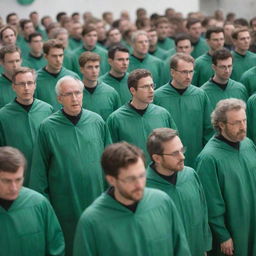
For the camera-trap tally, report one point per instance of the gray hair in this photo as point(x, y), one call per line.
point(57, 31)
point(67, 78)
point(219, 113)
point(138, 33)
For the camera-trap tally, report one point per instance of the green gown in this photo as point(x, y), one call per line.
point(166, 44)
point(104, 66)
point(251, 117)
point(35, 62)
point(23, 44)
point(233, 90)
point(120, 86)
point(241, 63)
point(67, 61)
point(248, 79)
point(66, 166)
point(228, 176)
point(128, 125)
point(104, 100)
point(191, 113)
point(74, 43)
point(151, 63)
point(7, 94)
point(203, 70)
point(45, 85)
point(18, 128)
point(30, 227)
point(200, 48)
point(109, 228)
point(159, 53)
point(189, 199)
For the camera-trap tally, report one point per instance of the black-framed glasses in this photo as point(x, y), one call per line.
point(23, 84)
point(175, 153)
point(147, 86)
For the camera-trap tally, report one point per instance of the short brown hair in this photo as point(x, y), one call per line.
point(8, 49)
point(161, 20)
point(52, 43)
point(236, 32)
point(135, 76)
point(120, 155)
point(180, 56)
point(23, 70)
point(88, 56)
point(157, 138)
point(87, 29)
point(5, 28)
point(11, 159)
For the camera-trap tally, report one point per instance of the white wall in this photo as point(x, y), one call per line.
point(52, 7)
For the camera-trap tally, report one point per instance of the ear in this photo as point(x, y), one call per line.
point(214, 67)
point(156, 158)
point(221, 125)
point(111, 180)
point(110, 61)
point(171, 71)
point(13, 86)
point(59, 99)
point(132, 90)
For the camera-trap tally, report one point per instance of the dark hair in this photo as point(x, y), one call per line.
point(23, 70)
point(74, 14)
point(236, 32)
point(43, 18)
point(241, 22)
point(182, 37)
point(87, 29)
point(52, 43)
point(212, 30)
point(191, 22)
point(59, 15)
point(33, 35)
point(11, 159)
point(135, 76)
point(120, 155)
point(9, 15)
point(157, 138)
point(34, 12)
point(180, 56)
point(8, 49)
point(116, 48)
point(221, 54)
point(88, 56)
point(24, 22)
point(161, 20)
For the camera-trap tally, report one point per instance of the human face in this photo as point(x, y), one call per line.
point(195, 31)
point(242, 43)
point(63, 37)
point(184, 46)
point(55, 59)
point(141, 46)
point(13, 20)
point(144, 93)
point(9, 37)
point(216, 41)
point(183, 74)
point(11, 183)
point(36, 44)
point(76, 30)
point(91, 71)
point(172, 159)
point(120, 62)
point(35, 19)
point(228, 29)
point(234, 129)
point(90, 40)
point(28, 29)
point(24, 87)
point(253, 25)
point(223, 70)
point(71, 97)
point(101, 31)
point(114, 36)
point(162, 30)
point(11, 62)
point(152, 37)
point(130, 183)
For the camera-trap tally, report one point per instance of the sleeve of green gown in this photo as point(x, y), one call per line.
point(195, 76)
point(117, 100)
point(107, 136)
point(55, 245)
point(113, 129)
point(244, 80)
point(40, 164)
point(207, 170)
point(250, 120)
point(2, 137)
point(172, 122)
point(84, 241)
point(208, 130)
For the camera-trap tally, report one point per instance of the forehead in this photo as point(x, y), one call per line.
point(29, 24)
point(216, 35)
point(172, 145)
point(141, 38)
point(243, 34)
point(133, 169)
point(92, 33)
point(234, 114)
point(120, 54)
point(196, 25)
point(8, 31)
point(24, 76)
point(55, 51)
point(145, 80)
point(11, 56)
point(92, 63)
point(152, 33)
point(36, 38)
point(12, 175)
point(69, 85)
point(114, 31)
point(225, 62)
point(184, 65)
point(184, 42)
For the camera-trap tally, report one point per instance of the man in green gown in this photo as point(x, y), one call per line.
point(98, 96)
point(10, 59)
point(181, 183)
point(28, 223)
point(203, 64)
point(226, 167)
point(66, 160)
point(118, 59)
point(129, 219)
point(141, 59)
point(248, 79)
point(188, 105)
point(242, 57)
point(48, 76)
point(220, 86)
point(135, 120)
point(251, 117)
point(20, 119)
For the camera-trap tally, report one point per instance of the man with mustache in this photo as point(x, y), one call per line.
point(181, 183)
point(227, 170)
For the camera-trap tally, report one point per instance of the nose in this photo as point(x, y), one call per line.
point(13, 186)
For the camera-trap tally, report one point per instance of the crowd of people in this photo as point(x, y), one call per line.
point(121, 138)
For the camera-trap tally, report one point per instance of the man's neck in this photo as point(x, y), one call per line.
point(51, 70)
point(240, 51)
point(9, 76)
point(152, 48)
point(89, 48)
point(36, 54)
point(178, 86)
point(116, 74)
point(160, 169)
point(219, 80)
point(25, 102)
point(89, 83)
point(139, 55)
point(139, 105)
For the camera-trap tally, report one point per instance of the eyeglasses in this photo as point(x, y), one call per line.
point(133, 179)
point(237, 123)
point(225, 67)
point(23, 84)
point(147, 86)
point(70, 94)
point(175, 153)
point(185, 72)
